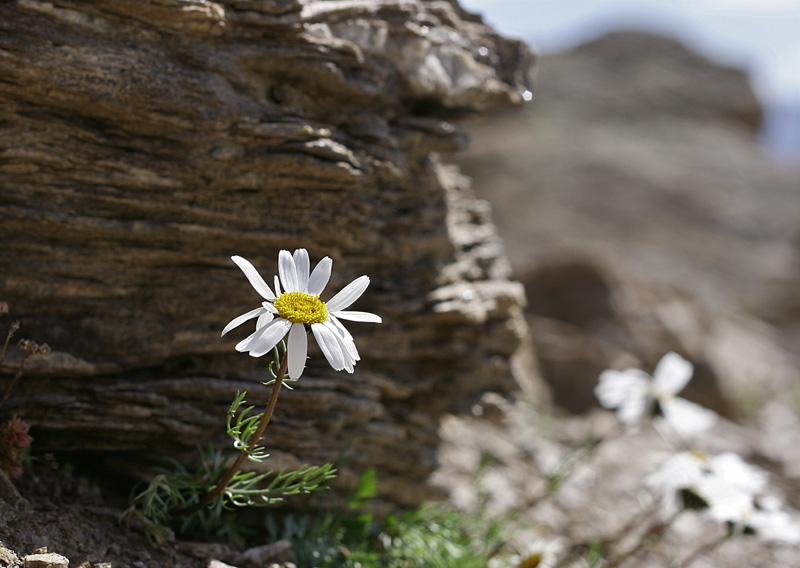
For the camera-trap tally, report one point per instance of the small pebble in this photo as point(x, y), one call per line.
point(218, 564)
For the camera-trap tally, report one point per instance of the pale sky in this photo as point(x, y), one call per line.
point(761, 36)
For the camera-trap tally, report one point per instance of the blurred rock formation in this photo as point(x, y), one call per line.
point(144, 143)
point(638, 208)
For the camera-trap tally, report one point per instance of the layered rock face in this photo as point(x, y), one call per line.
point(144, 143)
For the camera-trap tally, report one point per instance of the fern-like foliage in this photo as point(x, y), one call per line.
point(201, 499)
point(242, 428)
point(178, 488)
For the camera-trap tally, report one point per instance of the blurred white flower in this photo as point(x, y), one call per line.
point(295, 306)
point(537, 552)
point(724, 487)
point(636, 395)
point(761, 517)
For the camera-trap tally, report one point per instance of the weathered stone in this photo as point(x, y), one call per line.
point(257, 556)
point(45, 560)
point(144, 143)
point(7, 556)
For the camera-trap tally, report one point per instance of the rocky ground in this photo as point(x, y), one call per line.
point(603, 496)
point(67, 517)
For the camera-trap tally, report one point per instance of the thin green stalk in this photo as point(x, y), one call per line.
point(218, 489)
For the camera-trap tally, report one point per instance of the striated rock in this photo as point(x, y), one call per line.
point(144, 143)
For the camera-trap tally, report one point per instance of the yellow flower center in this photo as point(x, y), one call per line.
point(299, 307)
point(531, 561)
point(699, 455)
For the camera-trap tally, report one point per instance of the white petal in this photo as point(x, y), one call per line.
point(730, 469)
point(775, 526)
point(726, 504)
point(237, 321)
point(277, 286)
point(348, 346)
point(287, 271)
point(682, 471)
point(302, 265)
point(672, 373)
point(347, 339)
point(687, 418)
point(320, 276)
point(631, 411)
point(348, 294)
point(271, 334)
point(615, 387)
point(297, 349)
point(264, 318)
point(244, 344)
point(254, 277)
point(341, 329)
point(326, 339)
point(359, 316)
point(626, 391)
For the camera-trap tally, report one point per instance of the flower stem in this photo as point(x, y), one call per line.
point(656, 530)
point(11, 331)
point(704, 549)
point(223, 482)
point(14, 380)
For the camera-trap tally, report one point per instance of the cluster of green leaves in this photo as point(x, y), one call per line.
point(430, 537)
point(169, 501)
point(161, 505)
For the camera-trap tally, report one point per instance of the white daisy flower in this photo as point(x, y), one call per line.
point(635, 394)
point(728, 490)
point(723, 485)
point(761, 517)
point(295, 306)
